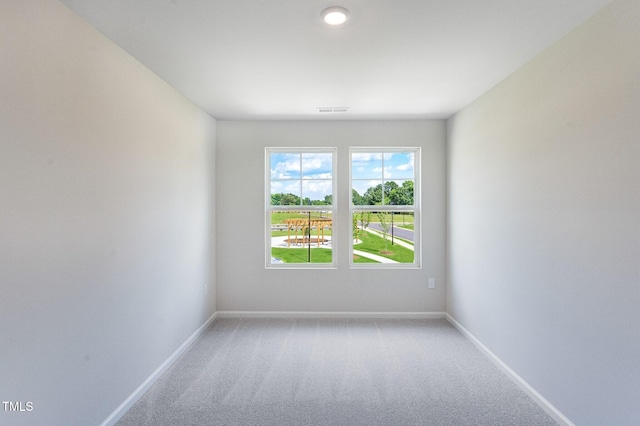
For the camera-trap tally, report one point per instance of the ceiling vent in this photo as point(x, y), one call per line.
point(333, 109)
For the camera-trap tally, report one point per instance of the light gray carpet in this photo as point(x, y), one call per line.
point(334, 372)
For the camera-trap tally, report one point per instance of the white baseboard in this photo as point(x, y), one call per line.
point(135, 396)
point(363, 315)
point(519, 381)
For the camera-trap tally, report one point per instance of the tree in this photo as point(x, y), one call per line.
point(402, 195)
point(365, 219)
point(289, 200)
point(356, 230)
point(390, 193)
point(382, 217)
point(389, 186)
point(407, 188)
point(373, 195)
point(356, 198)
point(276, 199)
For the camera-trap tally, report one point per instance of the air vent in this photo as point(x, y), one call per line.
point(333, 109)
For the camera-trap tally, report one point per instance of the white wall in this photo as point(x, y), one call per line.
point(105, 218)
point(544, 220)
point(243, 282)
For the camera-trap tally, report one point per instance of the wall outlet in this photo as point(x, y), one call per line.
point(432, 283)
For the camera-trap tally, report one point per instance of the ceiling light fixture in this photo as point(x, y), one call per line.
point(335, 15)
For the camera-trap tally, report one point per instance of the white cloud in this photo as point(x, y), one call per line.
point(291, 166)
point(387, 171)
point(406, 166)
point(365, 156)
point(318, 176)
point(316, 190)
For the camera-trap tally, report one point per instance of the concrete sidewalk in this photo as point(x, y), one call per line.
point(374, 257)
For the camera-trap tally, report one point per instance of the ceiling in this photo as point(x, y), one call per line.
point(276, 59)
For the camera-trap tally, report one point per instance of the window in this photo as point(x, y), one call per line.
point(300, 207)
point(385, 207)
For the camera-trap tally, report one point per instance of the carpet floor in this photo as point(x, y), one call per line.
point(334, 372)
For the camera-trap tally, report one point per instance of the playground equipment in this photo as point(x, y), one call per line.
point(304, 226)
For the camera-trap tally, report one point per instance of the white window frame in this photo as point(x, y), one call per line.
point(416, 207)
point(333, 208)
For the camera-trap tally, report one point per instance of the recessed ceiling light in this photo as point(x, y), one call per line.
point(335, 15)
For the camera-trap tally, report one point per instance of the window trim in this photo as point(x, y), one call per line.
point(416, 207)
point(333, 208)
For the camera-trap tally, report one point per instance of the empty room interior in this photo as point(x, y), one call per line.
point(144, 146)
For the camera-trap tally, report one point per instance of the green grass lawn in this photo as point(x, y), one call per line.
point(301, 255)
point(399, 219)
point(376, 245)
point(318, 255)
point(280, 217)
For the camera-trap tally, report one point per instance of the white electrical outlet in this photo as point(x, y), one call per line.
point(432, 283)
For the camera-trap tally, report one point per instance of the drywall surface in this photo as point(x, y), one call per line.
point(543, 220)
point(105, 219)
point(243, 282)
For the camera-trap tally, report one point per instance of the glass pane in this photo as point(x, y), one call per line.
point(317, 166)
point(399, 165)
point(398, 192)
point(366, 165)
point(366, 192)
point(383, 237)
point(285, 166)
point(285, 193)
point(317, 192)
point(301, 237)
